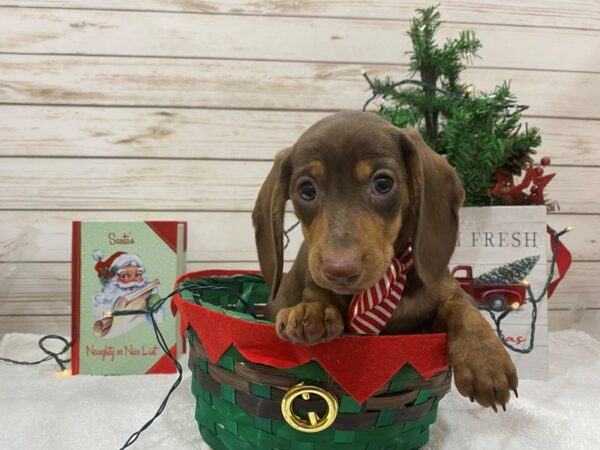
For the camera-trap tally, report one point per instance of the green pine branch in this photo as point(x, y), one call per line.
point(478, 133)
point(450, 59)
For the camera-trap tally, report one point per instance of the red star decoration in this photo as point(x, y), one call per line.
point(530, 191)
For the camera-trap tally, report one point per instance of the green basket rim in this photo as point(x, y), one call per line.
point(243, 277)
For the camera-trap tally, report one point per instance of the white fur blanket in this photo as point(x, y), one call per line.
point(40, 410)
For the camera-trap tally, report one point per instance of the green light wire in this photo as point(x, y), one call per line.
point(531, 298)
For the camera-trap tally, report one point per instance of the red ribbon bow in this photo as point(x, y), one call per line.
point(563, 259)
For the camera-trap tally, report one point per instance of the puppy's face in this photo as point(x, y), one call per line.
point(362, 189)
point(348, 185)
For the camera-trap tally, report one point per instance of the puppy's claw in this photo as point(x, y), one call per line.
point(485, 374)
point(503, 407)
point(516, 393)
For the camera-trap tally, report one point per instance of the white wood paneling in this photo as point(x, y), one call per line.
point(149, 133)
point(578, 318)
point(197, 83)
point(550, 13)
point(150, 184)
point(213, 134)
point(183, 120)
point(307, 39)
point(36, 324)
point(583, 240)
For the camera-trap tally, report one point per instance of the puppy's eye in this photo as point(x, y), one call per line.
point(383, 184)
point(307, 191)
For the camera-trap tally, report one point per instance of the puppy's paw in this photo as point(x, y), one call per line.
point(309, 323)
point(483, 371)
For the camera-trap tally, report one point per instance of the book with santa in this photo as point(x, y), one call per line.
point(124, 266)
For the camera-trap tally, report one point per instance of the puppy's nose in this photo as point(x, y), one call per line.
point(342, 271)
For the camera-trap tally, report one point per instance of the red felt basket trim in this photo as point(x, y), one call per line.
point(359, 364)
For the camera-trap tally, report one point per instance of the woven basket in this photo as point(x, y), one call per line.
point(239, 401)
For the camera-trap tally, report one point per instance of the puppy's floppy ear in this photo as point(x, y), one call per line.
point(267, 218)
point(436, 196)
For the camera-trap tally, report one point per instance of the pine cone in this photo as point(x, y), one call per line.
point(519, 162)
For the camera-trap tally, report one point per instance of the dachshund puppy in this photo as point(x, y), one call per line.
point(364, 191)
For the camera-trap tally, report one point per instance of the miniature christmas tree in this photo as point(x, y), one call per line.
point(478, 134)
point(511, 273)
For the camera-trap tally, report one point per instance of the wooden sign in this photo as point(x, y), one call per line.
point(498, 250)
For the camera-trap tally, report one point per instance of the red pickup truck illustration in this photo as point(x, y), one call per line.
point(499, 297)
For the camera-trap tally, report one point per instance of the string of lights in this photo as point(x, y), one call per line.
point(189, 286)
point(197, 288)
point(165, 348)
point(50, 354)
point(531, 299)
point(192, 287)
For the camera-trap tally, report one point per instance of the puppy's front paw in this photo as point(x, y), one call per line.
point(483, 371)
point(309, 323)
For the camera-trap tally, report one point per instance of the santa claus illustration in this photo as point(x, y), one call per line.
point(124, 286)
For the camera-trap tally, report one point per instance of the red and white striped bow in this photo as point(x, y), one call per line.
point(371, 310)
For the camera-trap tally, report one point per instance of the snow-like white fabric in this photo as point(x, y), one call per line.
point(40, 410)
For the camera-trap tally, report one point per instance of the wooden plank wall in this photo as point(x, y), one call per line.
point(167, 109)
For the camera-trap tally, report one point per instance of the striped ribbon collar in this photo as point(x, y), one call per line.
point(371, 310)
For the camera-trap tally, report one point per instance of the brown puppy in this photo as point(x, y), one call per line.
point(363, 190)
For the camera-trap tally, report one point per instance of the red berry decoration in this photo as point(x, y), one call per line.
point(545, 161)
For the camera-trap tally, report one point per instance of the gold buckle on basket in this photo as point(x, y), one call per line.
point(314, 423)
